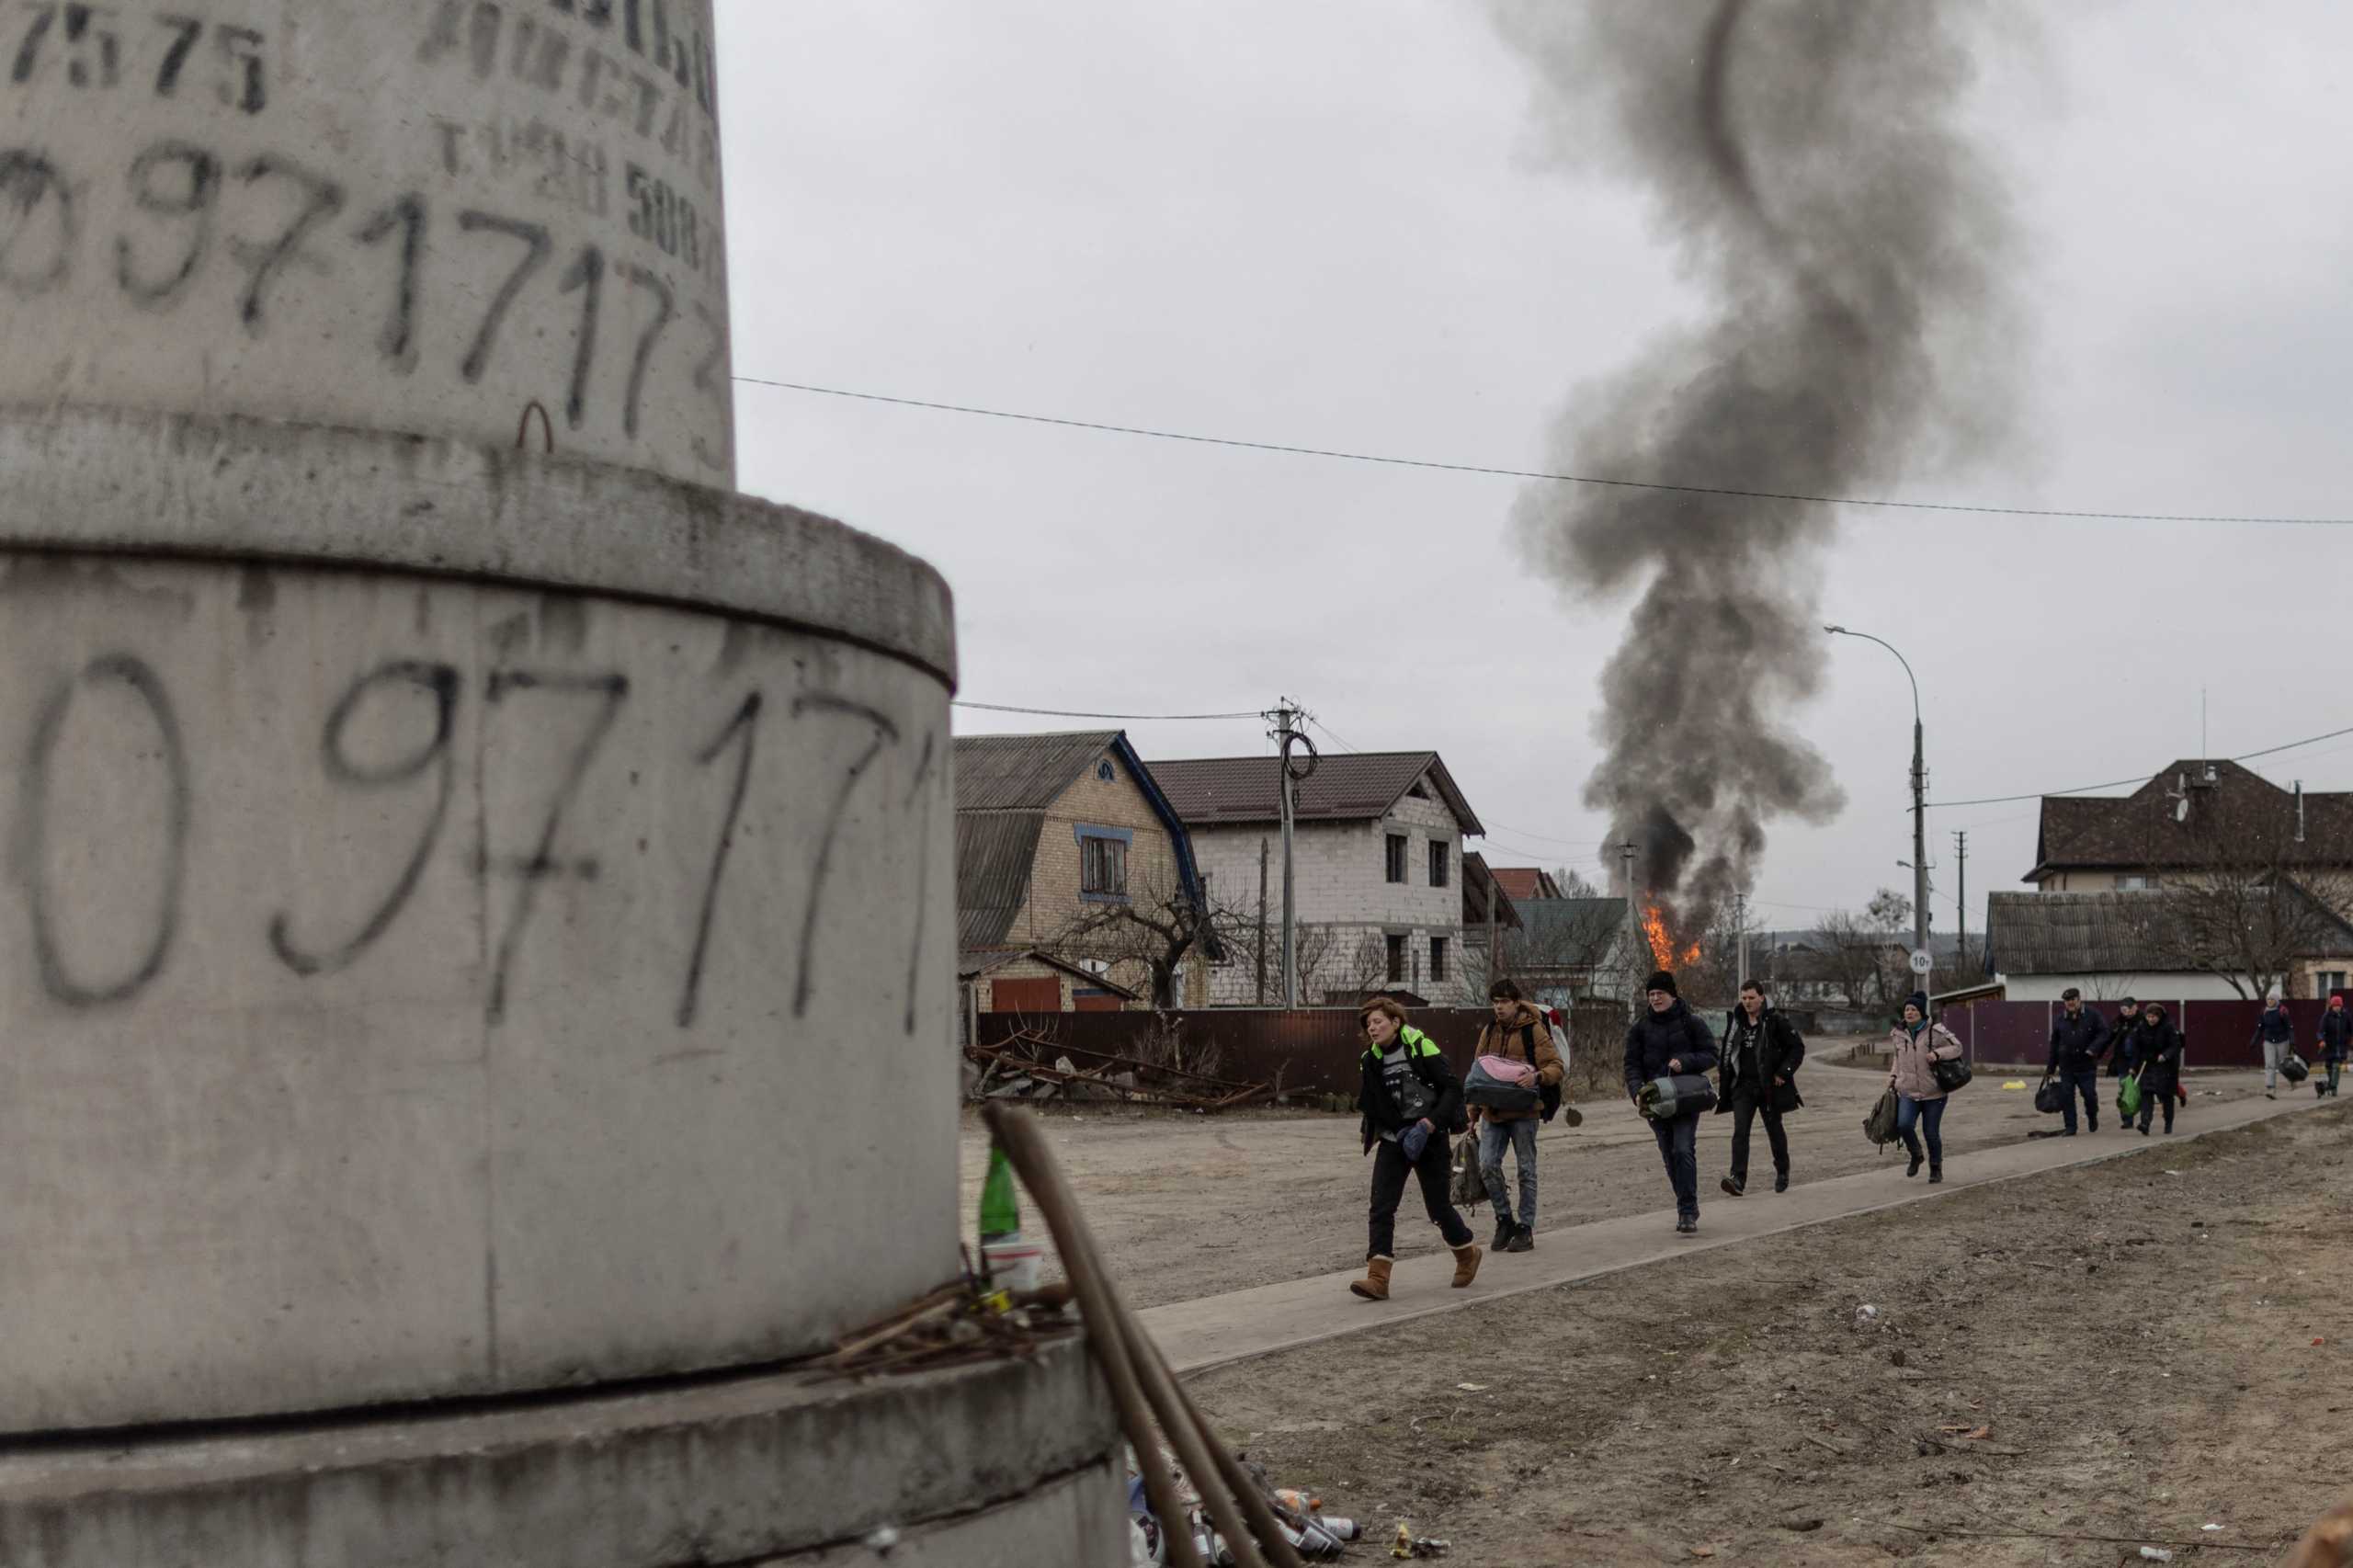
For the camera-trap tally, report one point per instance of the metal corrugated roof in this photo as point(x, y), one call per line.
point(1346, 787)
point(994, 853)
point(1024, 773)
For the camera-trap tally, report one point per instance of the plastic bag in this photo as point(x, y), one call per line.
point(2128, 1098)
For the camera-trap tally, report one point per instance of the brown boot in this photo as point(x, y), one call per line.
point(1375, 1286)
point(1466, 1264)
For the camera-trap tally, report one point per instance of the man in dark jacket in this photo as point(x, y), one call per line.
point(1408, 1099)
point(2276, 1033)
point(1762, 1051)
point(2156, 1053)
point(1668, 1042)
point(2078, 1038)
point(2336, 1035)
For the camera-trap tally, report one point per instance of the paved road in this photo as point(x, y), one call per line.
point(1216, 1330)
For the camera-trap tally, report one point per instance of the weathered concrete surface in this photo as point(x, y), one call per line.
point(419, 217)
point(383, 1022)
point(101, 481)
point(1002, 1463)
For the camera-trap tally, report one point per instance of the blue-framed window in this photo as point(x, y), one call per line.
point(1103, 863)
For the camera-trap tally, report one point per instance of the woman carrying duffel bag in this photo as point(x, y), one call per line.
point(1919, 1046)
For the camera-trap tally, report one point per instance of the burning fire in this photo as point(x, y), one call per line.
point(1661, 941)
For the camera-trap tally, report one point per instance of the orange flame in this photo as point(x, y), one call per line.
point(1691, 954)
point(1661, 945)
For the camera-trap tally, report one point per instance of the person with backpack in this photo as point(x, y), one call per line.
point(1669, 1041)
point(2336, 1034)
point(2078, 1039)
point(1408, 1099)
point(2156, 1055)
point(2276, 1033)
point(1517, 1032)
point(1762, 1052)
point(1918, 1045)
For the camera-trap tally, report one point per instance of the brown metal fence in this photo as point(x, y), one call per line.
point(1309, 1050)
point(2214, 1034)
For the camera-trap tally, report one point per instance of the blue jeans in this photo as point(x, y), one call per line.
point(1678, 1146)
point(2083, 1081)
point(1521, 1138)
point(1929, 1115)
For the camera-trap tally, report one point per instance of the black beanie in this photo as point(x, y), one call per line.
point(1664, 981)
point(1918, 999)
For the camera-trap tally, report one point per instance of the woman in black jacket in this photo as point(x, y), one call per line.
point(1670, 1041)
point(1408, 1098)
point(2156, 1051)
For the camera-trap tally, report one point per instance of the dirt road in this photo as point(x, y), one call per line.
point(2124, 1350)
point(1189, 1206)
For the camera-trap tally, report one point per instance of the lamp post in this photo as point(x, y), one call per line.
point(1919, 794)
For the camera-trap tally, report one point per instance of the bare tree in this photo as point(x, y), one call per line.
point(1152, 930)
point(1848, 951)
point(2254, 895)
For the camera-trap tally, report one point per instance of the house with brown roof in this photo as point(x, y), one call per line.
point(1378, 873)
point(1526, 883)
point(1056, 835)
point(2192, 820)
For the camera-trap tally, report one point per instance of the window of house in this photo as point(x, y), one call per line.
point(1396, 857)
point(1438, 960)
point(2135, 884)
point(2325, 981)
point(1102, 865)
point(1396, 957)
point(1438, 863)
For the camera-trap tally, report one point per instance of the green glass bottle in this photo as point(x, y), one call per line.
point(1000, 1211)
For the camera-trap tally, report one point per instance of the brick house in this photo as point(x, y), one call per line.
point(1051, 832)
point(1377, 857)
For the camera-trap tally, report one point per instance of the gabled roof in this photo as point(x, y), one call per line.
point(1347, 787)
point(1526, 882)
point(972, 965)
point(1005, 786)
point(1476, 880)
point(2239, 818)
point(2080, 933)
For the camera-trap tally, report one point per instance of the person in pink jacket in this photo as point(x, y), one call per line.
point(1920, 1102)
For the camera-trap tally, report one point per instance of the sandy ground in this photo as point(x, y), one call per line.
point(2125, 1350)
point(1189, 1206)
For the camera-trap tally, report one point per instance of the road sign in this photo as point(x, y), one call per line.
point(1921, 962)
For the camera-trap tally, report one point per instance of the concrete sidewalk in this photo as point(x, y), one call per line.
point(1216, 1330)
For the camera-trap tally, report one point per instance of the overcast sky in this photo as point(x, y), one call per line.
point(1331, 224)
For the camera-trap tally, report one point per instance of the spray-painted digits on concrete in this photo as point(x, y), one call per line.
point(745, 723)
point(55, 977)
point(178, 184)
point(93, 55)
point(610, 689)
point(664, 218)
point(440, 681)
point(405, 218)
point(534, 256)
point(804, 984)
point(666, 312)
point(36, 223)
point(317, 200)
point(587, 275)
point(917, 794)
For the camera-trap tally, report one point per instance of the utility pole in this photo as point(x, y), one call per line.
point(1285, 716)
point(1740, 926)
point(1494, 953)
point(1635, 948)
point(1919, 836)
point(1262, 921)
point(1960, 855)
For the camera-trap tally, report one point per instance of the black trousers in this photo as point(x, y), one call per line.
point(1679, 1147)
point(1435, 1172)
point(2152, 1098)
point(2083, 1081)
point(1744, 1108)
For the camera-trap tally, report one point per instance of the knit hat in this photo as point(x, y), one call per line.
point(1918, 999)
point(1663, 981)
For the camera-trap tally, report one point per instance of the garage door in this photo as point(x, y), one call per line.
point(1025, 997)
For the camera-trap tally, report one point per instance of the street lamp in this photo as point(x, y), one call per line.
point(1919, 794)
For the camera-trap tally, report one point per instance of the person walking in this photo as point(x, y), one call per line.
point(1407, 1097)
point(2078, 1039)
point(1920, 1099)
point(2276, 1032)
point(1762, 1052)
point(2336, 1034)
point(1517, 1032)
point(1666, 1041)
point(2156, 1054)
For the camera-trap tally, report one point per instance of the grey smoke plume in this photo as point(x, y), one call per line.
point(1805, 157)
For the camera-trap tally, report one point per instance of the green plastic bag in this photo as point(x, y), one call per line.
point(2128, 1098)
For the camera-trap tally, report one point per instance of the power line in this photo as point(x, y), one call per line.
point(2119, 783)
point(1068, 713)
point(1729, 490)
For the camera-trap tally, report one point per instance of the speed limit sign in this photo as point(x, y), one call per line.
point(1921, 962)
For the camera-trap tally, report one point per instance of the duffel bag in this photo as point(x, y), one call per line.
point(2050, 1096)
point(1501, 1084)
point(1685, 1094)
point(2294, 1068)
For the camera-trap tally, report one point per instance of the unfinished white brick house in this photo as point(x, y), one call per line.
point(1378, 851)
